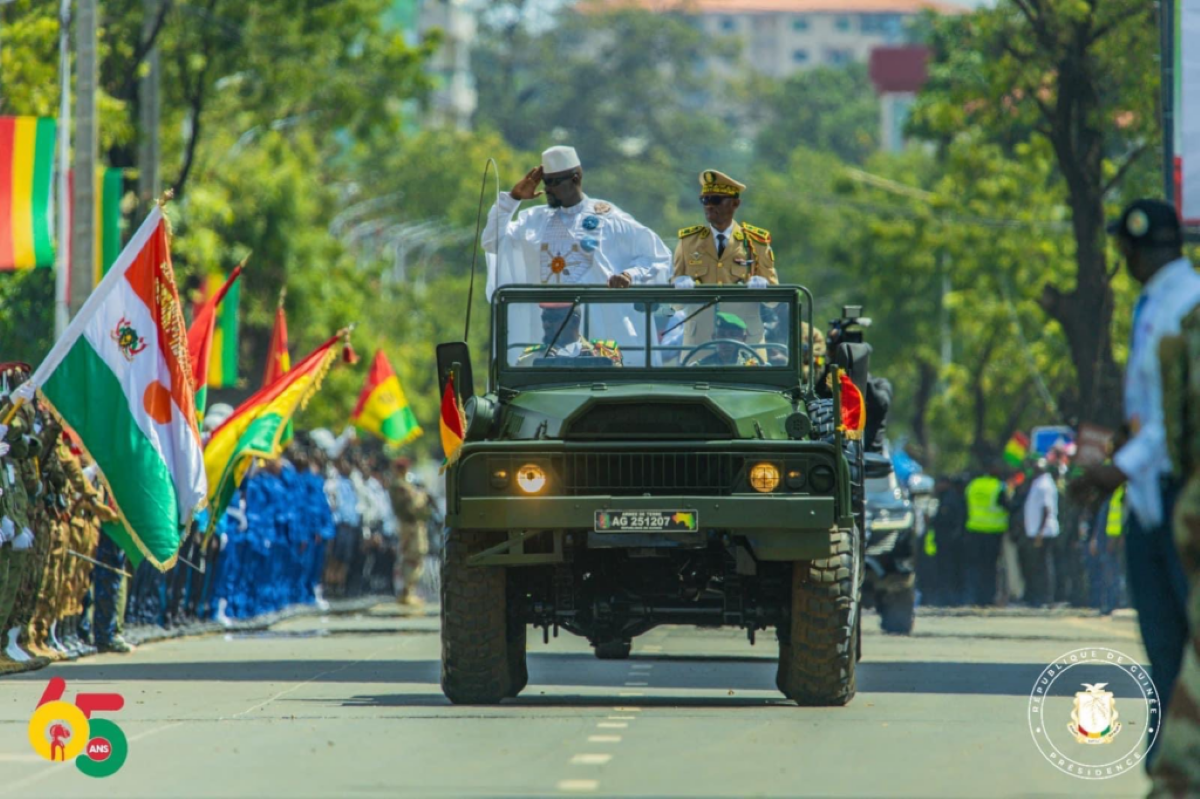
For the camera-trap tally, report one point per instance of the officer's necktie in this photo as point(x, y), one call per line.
point(720, 244)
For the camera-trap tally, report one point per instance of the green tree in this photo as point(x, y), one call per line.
point(1083, 77)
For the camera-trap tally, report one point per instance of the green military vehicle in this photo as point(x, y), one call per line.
point(635, 462)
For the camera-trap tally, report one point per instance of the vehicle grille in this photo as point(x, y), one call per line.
point(631, 474)
point(624, 420)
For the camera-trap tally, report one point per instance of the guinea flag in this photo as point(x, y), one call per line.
point(256, 428)
point(854, 409)
point(200, 339)
point(278, 359)
point(453, 424)
point(382, 408)
point(1016, 449)
point(26, 180)
point(120, 378)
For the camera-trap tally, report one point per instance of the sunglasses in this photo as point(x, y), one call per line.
point(552, 182)
point(712, 199)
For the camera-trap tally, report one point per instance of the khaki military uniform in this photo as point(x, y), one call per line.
point(412, 509)
point(15, 565)
point(746, 255)
point(1176, 770)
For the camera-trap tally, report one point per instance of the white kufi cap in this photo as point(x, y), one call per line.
point(559, 159)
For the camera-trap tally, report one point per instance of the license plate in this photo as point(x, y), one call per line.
point(647, 521)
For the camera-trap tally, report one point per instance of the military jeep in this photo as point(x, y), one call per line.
point(636, 461)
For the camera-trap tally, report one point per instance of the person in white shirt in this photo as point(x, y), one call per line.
point(573, 239)
point(1041, 523)
point(1150, 238)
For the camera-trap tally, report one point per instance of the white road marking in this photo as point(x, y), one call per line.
point(631, 693)
point(578, 785)
point(637, 684)
point(590, 760)
point(642, 666)
point(613, 725)
point(593, 739)
point(628, 709)
point(621, 718)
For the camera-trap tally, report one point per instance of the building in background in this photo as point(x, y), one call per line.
point(897, 73)
point(780, 37)
point(453, 99)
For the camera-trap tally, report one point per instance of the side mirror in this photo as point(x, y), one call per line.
point(449, 354)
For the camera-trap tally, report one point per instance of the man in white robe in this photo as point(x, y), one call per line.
point(573, 240)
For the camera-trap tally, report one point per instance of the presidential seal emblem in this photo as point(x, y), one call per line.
point(1094, 719)
point(127, 339)
point(1078, 731)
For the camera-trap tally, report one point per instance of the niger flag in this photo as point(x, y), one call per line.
point(854, 411)
point(200, 339)
point(453, 424)
point(255, 430)
point(382, 408)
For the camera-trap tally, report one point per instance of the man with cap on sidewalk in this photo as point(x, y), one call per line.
point(723, 251)
point(1150, 239)
point(573, 239)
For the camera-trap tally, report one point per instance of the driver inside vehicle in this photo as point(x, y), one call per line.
point(562, 337)
point(729, 344)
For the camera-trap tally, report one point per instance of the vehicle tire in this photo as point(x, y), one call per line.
point(475, 660)
point(614, 650)
point(818, 670)
point(897, 609)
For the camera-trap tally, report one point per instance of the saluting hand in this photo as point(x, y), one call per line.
point(526, 188)
point(620, 281)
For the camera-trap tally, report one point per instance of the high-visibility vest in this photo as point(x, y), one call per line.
point(930, 544)
point(985, 514)
point(1116, 506)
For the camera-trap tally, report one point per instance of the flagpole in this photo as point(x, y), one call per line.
point(62, 283)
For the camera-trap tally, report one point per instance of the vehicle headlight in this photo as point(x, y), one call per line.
point(531, 478)
point(764, 477)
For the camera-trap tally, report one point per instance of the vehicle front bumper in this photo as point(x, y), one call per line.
point(777, 527)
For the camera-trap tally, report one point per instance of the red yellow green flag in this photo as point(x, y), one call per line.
point(26, 182)
point(278, 360)
point(222, 364)
point(256, 428)
point(453, 424)
point(1016, 449)
point(110, 185)
point(854, 411)
point(382, 408)
point(200, 339)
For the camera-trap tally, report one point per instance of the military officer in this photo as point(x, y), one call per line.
point(728, 328)
point(723, 251)
point(1176, 770)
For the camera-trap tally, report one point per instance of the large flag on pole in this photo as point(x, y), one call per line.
point(200, 339)
point(255, 430)
point(382, 408)
point(120, 378)
point(278, 359)
point(223, 360)
point(26, 186)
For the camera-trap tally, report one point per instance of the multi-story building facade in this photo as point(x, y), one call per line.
point(780, 37)
point(453, 99)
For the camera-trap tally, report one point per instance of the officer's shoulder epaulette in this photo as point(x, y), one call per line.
point(758, 234)
point(692, 231)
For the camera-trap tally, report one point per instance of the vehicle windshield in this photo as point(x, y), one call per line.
point(884, 490)
point(669, 330)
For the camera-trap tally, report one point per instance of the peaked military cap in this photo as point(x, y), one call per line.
point(714, 182)
point(726, 319)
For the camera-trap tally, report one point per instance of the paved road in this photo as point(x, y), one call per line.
point(350, 706)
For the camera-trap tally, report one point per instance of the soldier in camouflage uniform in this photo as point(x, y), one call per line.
point(87, 509)
point(412, 507)
point(1176, 770)
point(20, 558)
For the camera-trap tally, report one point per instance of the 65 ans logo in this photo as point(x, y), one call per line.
point(60, 731)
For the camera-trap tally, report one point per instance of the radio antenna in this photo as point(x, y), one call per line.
point(491, 163)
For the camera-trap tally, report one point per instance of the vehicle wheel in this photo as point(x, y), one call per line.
point(819, 669)
point(614, 650)
point(475, 661)
point(858, 634)
point(896, 610)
